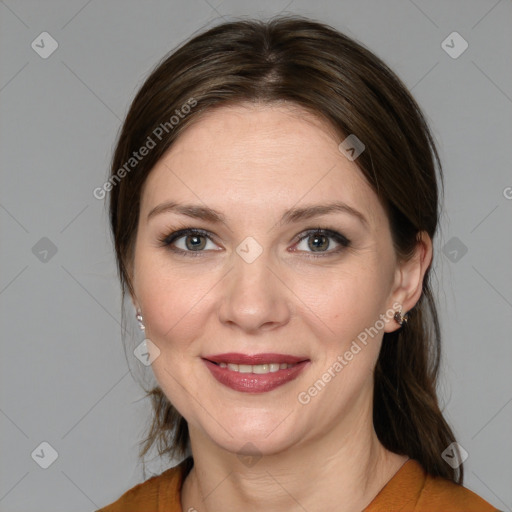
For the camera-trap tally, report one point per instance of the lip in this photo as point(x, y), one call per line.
point(253, 382)
point(235, 358)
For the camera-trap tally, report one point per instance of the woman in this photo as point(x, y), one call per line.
point(273, 201)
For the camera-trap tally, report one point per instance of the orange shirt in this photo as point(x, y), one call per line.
point(410, 490)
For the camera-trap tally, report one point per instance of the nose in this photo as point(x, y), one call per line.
point(254, 296)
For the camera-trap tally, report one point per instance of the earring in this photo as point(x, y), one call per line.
point(401, 319)
point(138, 316)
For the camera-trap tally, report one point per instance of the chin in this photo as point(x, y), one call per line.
point(256, 438)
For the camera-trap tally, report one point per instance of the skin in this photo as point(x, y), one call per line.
point(253, 162)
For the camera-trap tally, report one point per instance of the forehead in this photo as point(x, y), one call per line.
point(261, 158)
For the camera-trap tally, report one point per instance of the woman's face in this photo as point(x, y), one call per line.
point(257, 181)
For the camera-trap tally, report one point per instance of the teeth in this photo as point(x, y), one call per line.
point(256, 368)
point(245, 368)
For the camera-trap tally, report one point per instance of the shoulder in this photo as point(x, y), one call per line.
point(157, 493)
point(413, 490)
point(442, 494)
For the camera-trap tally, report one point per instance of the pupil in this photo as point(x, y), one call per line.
point(317, 242)
point(194, 242)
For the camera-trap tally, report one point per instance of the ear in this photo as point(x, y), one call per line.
point(409, 278)
point(135, 303)
point(131, 285)
point(133, 298)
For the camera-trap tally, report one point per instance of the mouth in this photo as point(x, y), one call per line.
point(255, 373)
point(259, 369)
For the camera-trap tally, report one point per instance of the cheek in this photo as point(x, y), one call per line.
point(344, 302)
point(174, 304)
point(171, 306)
point(174, 299)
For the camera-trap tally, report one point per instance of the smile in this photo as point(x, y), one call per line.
point(260, 369)
point(258, 373)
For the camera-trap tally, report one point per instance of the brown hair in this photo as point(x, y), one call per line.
point(317, 68)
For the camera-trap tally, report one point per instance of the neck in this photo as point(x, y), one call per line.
point(348, 469)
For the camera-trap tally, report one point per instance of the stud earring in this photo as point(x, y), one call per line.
point(401, 319)
point(139, 318)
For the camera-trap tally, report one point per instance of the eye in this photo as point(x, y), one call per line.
point(188, 241)
point(194, 242)
point(319, 241)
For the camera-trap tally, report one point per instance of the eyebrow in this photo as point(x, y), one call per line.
point(290, 216)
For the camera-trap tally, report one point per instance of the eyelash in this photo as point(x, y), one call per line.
point(168, 240)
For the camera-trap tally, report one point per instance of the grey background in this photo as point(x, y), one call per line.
point(64, 376)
